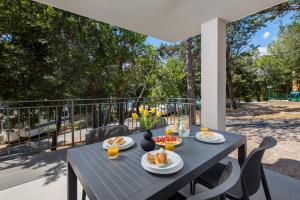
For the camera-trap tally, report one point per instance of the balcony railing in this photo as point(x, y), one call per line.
point(35, 126)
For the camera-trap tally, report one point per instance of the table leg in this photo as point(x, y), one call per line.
point(72, 184)
point(242, 154)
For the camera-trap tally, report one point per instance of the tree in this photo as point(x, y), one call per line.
point(169, 80)
point(283, 58)
point(47, 53)
point(246, 77)
point(240, 33)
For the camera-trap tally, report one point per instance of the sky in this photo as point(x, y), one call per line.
point(262, 38)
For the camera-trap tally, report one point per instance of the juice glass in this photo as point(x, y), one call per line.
point(169, 145)
point(113, 151)
point(203, 129)
point(169, 132)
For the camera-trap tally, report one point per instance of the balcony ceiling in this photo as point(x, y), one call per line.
point(170, 20)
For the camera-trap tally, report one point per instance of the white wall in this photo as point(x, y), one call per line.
point(213, 74)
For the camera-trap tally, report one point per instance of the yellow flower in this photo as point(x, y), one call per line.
point(153, 110)
point(141, 109)
point(169, 132)
point(158, 114)
point(135, 116)
point(146, 113)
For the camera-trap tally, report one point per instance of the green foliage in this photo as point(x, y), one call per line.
point(169, 79)
point(283, 58)
point(246, 77)
point(46, 53)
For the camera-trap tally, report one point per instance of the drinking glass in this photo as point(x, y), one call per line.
point(169, 132)
point(169, 145)
point(186, 132)
point(113, 151)
point(204, 129)
point(185, 129)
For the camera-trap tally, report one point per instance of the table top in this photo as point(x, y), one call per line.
point(125, 178)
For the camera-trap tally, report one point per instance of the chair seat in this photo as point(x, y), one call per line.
point(212, 177)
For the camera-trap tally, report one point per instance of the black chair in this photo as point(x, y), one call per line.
point(95, 135)
point(252, 173)
point(229, 177)
point(161, 122)
point(102, 133)
point(119, 130)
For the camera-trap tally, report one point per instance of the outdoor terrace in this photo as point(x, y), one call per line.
point(30, 163)
point(44, 177)
point(37, 133)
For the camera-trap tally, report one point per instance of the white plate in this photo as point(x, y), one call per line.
point(218, 139)
point(216, 136)
point(128, 143)
point(173, 158)
point(170, 171)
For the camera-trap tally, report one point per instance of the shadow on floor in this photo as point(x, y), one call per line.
point(263, 108)
point(285, 166)
point(20, 170)
point(282, 130)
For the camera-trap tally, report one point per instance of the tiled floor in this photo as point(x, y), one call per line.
point(44, 177)
point(281, 187)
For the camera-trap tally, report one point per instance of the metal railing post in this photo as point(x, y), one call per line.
point(72, 120)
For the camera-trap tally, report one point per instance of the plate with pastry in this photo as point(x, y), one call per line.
point(160, 140)
point(162, 161)
point(123, 142)
point(210, 137)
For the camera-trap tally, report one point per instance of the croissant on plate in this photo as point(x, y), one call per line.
point(110, 141)
point(119, 140)
point(161, 158)
point(151, 158)
point(207, 134)
point(116, 140)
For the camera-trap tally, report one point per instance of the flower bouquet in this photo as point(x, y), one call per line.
point(147, 120)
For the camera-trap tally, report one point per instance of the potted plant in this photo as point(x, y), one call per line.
point(147, 120)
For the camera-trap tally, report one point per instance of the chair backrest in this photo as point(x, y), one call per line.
point(161, 122)
point(120, 130)
point(229, 178)
point(251, 169)
point(95, 135)
point(102, 133)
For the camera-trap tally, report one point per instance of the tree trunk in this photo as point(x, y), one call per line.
point(230, 83)
point(258, 92)
point(136, 104)
point(100, 116)
point(121, 110)
point(190, 80)
point(120, 102)
point(58, 126)
point(94, 95)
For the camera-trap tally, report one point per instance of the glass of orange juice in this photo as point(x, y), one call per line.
point(169, 145)
point(169, 132)
point(113, 151)
point(203, 129)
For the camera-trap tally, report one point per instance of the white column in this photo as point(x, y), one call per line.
point(213, 74)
